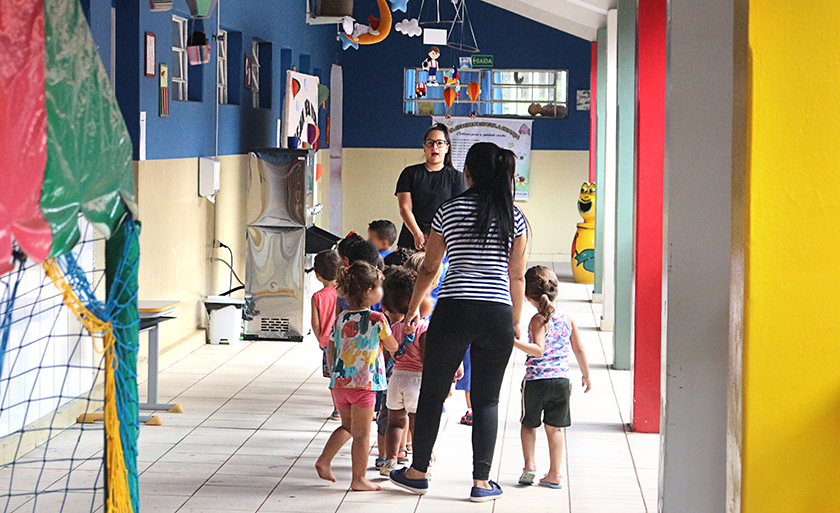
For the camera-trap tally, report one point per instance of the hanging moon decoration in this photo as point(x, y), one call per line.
point(384, 26)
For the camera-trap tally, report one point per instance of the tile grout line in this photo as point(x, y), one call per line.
point(624, 425)
point(255, 431)
point(241, 351)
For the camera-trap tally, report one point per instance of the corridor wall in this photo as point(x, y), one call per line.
point(791, 398)
point(379, 141)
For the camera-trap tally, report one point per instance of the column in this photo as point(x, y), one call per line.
point(652, 34)
point(610, 162)
point(598, 291)
point(626, 155)
point(698, 172)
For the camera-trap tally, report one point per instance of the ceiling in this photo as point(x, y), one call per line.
point(581, 18)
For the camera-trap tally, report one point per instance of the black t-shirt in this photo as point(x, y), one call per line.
point(429, 190)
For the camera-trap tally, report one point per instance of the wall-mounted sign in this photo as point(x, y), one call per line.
point(150, 55)
point(249, 69)
point(482, 61)
point(583, 99)
point(164, 91)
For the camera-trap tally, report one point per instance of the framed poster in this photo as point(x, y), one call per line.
point(150, 54)
point(163, 97)
point(300, 112)
point(249, 70)
point(511, 134)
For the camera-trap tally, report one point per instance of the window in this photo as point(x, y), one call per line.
point(222, 63)
point(504, 93)
point(178, 66)
point(255, 74)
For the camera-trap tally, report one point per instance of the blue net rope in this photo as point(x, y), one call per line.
point(49, 365)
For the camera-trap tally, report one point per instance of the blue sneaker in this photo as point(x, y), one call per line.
point(418, 486)
point(484, 495)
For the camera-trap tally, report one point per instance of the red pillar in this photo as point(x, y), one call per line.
point(651, 55)
point(593, 114)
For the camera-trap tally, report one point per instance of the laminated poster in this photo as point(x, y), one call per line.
point(512, 134)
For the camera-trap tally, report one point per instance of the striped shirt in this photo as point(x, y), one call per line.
point(477, 271)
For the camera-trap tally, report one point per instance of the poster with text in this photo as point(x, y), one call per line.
point(511, 134)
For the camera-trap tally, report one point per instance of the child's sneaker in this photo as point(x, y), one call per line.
point(387, 467)
point(467, 418)
point(336, 415)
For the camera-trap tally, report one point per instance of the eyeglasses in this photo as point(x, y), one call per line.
point(438, 143)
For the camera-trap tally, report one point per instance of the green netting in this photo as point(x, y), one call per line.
point(122, 256)
point(89, 153)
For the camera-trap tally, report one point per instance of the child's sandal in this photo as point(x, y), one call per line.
point(527, 478)
point(402, 455)
point(379, 462)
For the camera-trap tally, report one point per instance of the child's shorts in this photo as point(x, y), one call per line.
point(404, 391)
point(346, 397)
point(464, 383)
point(325, 369)
point(546, 400)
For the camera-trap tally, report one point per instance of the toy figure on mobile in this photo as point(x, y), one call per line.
point(431, 64)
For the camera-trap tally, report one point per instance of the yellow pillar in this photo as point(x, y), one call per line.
point(791, 408)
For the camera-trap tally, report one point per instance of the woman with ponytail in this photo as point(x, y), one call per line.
point(479, 307)
point(546, 388)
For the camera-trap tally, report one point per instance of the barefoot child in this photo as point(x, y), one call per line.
point(358, 370)
point(546, 387)
point(326, 267)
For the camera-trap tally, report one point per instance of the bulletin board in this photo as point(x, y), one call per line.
point(511, 134)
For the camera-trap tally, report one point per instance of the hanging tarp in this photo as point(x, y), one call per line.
point(201, 8)
point(89, 154)
point(23, 130)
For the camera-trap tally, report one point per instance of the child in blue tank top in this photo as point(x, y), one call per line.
point(546, 389)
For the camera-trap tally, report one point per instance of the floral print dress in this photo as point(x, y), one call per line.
point(554, 363)
point(358, 361)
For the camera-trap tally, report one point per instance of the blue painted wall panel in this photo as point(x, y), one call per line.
point(373, 77)
point(189, 131)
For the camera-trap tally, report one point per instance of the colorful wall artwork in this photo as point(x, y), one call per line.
point(300, 110)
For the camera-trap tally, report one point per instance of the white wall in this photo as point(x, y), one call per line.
point(50, 359)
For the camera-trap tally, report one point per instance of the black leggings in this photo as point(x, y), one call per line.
point(487, 328)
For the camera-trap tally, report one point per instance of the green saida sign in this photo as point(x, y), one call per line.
point(482, 61)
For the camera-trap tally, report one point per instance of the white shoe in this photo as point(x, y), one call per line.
point(387, 467)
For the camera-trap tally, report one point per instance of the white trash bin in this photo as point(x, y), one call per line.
point(225, 326)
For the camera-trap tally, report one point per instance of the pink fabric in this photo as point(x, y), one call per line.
point(410, 360)
point(325, 303)
point(23, 130)
point(359, 397)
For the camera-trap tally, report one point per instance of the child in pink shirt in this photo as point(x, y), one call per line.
point(404, 384)
point(326, 266)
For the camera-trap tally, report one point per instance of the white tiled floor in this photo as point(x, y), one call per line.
point(255, 421)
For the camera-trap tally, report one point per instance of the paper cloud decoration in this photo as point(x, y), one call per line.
point(411, 28)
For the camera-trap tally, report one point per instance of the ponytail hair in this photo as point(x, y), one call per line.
point(491, 171)
point(541, 287)
point(355, 281)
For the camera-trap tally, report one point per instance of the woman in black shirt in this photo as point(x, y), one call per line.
point(422, 188)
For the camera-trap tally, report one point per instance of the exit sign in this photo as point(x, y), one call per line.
point(482, 61)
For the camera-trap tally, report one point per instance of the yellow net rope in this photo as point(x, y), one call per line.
point(118, 495)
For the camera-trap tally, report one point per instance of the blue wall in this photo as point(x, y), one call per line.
point(373, 76)
point(189, 131)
